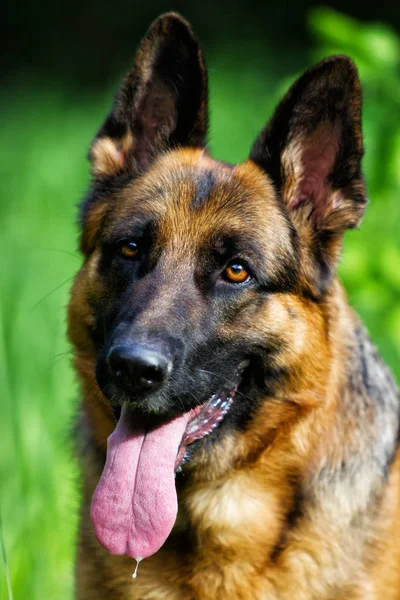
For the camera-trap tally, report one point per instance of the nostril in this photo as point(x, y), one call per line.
point(118, 360)
point(154, 372)
point(151, 368)
point(145, 383)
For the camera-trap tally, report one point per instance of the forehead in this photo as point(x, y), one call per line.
point(191, 197)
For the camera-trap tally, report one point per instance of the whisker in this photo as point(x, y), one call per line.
point(181, 401)
point(226, 379)
point(197, 400)
point(74, 254)
point(51, 292)
point(56, 360)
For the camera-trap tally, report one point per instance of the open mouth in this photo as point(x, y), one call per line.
point(135, 504)
point(205, 419)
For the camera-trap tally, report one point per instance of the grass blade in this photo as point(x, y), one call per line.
point(5, 563)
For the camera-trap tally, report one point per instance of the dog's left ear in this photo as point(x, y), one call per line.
point(161, 104)
point(312, 150)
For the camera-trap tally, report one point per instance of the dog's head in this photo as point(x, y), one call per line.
point(204, 284)
point(201, 277)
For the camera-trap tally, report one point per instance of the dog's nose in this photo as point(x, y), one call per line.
point(139, 368)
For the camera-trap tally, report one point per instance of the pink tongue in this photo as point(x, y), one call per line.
point(134, 506)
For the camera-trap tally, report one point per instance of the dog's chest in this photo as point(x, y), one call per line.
point(223, 534)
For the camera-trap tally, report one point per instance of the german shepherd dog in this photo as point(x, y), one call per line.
point(239, 432)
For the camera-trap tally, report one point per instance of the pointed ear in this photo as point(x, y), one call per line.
point(161, 104)
point(312, 150)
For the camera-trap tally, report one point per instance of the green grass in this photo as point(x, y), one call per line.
point(45, 135)
point(44, 173)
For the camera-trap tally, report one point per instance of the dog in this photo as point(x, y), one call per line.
point(238, 431)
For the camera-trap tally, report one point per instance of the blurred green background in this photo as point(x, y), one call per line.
point(60, 67)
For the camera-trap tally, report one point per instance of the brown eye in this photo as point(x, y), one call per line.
point(236, 273)
point(129, 250)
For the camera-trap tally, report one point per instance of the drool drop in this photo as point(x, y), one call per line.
point(134, 574)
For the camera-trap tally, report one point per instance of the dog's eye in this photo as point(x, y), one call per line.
point(129, 249)
point(236, 272)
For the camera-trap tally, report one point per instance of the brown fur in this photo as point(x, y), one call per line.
point(293, 505)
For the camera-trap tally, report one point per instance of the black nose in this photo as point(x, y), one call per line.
point(139, 368)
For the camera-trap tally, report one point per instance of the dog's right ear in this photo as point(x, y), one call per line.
point(161, 104)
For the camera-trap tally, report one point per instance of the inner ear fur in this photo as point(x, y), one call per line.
point(161, 104)
point(312, 150)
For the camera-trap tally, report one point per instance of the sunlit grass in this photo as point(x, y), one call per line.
point(45, 136)
point(43, 174)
